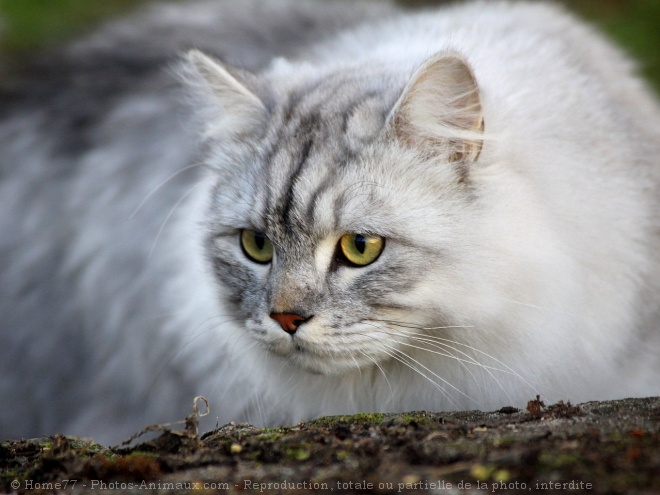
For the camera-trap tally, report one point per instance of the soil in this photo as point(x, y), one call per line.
point(597, 448)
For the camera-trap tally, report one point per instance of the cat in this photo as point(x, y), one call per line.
point(347, 208)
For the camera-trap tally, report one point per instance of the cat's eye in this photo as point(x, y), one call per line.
point(256, 246)
point(360, 249)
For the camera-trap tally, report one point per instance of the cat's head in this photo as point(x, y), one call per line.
point(340, 220)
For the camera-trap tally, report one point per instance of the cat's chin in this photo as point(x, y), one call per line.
point(300, 356)
point(322, 367)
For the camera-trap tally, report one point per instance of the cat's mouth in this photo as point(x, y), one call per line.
point(303, 356)
point(310, 357)
point(322, 349)
point(294, 347)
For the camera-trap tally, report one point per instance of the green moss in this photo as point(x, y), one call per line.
point(560, 460)
point(482, 472)
point(297, 454)
point(505, 442)
point(10, 475)
point(270, 436)
point(371, 418)
point(278, 429)
point(255, 455)
point(364, 418)
point(419, 418)
point(141, 454)
point(342, 455)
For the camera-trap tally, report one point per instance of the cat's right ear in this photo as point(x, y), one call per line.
point(228, 107)
point(440, 110)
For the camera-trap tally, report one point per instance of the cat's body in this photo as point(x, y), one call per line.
point(505, 153)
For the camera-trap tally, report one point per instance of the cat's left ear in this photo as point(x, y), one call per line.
point(440, 109)
point(228, 107)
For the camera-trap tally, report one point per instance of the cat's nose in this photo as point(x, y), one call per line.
point(289, 321)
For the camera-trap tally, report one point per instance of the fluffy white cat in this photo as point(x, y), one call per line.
point(450, 209)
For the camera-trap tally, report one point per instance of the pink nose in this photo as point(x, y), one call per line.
point(289, 321)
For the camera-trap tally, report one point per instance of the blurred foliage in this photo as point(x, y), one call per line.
point(29, 25)
point(634, 24)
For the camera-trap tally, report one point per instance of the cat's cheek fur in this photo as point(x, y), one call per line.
point(522, 282)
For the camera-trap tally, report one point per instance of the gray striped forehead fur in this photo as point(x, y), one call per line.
point(318, 132)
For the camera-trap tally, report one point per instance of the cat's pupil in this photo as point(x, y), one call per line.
point(360, 243)
point(259, 240)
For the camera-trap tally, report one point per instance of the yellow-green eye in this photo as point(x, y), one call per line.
point(360, 249)
point(256, 246)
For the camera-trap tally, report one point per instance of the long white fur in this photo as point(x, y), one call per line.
point(551, 273)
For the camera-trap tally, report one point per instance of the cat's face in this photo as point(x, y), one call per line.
point(278, 251)
point(330, 233)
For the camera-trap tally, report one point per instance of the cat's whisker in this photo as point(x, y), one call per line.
point(508, 368)
point(398, 355)
point(404, 359)
point(440, 343)
point(294, 385)
point(465, 363)
point(472, 360)
point(380, 368)
point(169, 215)
point(260, 410)
point(357, 364)
point(467, 360)
point(421, 327)
point(448, 354)
point(446, 327)
point(159, 186)
point(536, 306)
point(442, 339)
point(430, 371)
point(243, 335)
point(442, 348)
point(201, 330)
point(225, 392)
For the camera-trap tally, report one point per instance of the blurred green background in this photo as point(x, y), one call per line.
point(29, 25)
